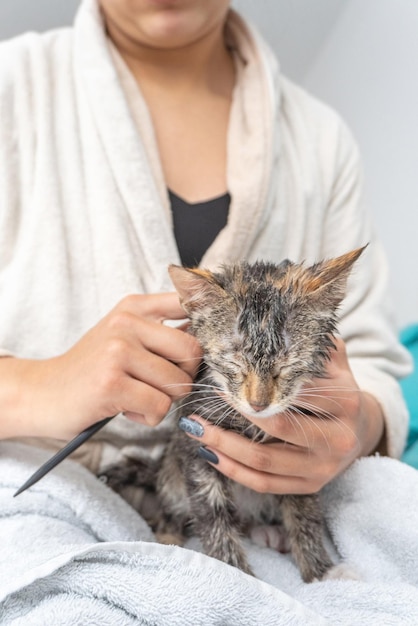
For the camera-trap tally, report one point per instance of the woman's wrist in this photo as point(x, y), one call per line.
point(22, 385)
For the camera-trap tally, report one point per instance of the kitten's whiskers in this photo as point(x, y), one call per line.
point(289, 414)
point(321, 414)
point(311, 419)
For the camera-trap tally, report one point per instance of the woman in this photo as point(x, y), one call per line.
point(106, 130)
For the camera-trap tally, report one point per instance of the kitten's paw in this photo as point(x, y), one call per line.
point(232, 554)
point(239, 561)
point(342, 571)
point(274, 537)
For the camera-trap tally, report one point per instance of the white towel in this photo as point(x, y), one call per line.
point(74, 553)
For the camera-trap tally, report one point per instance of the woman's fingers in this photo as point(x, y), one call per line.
point(277, 467)
point(128, 362)
point(140, 317)
point(262, 482)
point(156, 307)
point(174, 345)
point(141, 402)
point(272, 458)
point(152, 369)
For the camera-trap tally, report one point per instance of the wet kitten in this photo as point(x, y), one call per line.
point(264, 330)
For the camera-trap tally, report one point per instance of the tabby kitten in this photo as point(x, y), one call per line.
point(265, 330)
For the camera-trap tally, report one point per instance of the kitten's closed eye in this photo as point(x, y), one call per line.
point(237, 366)
point(281, 371)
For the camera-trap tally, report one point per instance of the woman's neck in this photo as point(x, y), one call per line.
point(202, 64)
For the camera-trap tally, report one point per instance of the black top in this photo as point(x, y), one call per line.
point(197, 225)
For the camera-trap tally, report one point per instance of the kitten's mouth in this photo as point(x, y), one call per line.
point(255, 411)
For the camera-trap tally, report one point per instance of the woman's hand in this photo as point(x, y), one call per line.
point(313, 449)
point(129, 362)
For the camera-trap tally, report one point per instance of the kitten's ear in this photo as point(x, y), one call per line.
point(197, 288)
point(328, 279)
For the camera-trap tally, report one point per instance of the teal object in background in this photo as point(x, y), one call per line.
point(409, 385)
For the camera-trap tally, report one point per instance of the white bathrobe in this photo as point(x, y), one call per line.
point(85, 219)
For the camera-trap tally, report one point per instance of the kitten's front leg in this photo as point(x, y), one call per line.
point(303, 520)
point(214, 514)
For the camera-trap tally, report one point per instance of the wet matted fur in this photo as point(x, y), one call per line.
point(265, 330)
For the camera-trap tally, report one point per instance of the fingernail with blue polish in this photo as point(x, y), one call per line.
point(208, 455)
point(191, 426)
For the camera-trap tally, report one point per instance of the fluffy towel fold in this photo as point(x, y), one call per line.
point(81, 555)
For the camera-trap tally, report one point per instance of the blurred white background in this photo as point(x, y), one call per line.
point(359, 56)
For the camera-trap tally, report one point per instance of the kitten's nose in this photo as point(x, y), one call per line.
point(258, 407)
